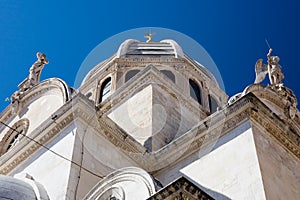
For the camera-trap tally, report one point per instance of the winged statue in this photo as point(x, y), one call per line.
point(272, 68)
point(261, 71)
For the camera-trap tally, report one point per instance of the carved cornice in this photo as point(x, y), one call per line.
point(113, 64)
point(144, 61)
point(21, 99)
point(45, 133)
point(284, 131)
point(282, 97)
point(6, 115)
point(45, 87)
point(281, 131)
point(181, 189)
point(207, 132)
point(184, 65)
point(120, 138)
point(80, 108)
point(25, 148)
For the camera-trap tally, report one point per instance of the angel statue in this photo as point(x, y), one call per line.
point(149, 36)
point(272, 68)
point(261, 71)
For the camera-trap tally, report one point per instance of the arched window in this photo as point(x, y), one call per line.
point(131, 74)
point(195, 91)
point(15, 140)
point(105, 90)
point(213, 105)
point(14, 136)
point(169, 74)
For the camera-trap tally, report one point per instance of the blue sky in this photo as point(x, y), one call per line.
point(232, 32)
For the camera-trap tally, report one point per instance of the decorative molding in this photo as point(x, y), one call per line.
point(22, 124)
point(145, 61)
point(29, 147)
point(120, 138)
point(181, 189)
point(6, 115)
point(21, 98)
point(285, 136)
point(193, 140)
point(45, 133)
point(208, 131)
point(117, 179)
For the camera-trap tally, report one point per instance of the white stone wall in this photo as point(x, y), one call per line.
point(232, 170)
point(229, 171)
point(99, 156)
point(37, 110)
point(280, 169)
point(135, 115)
point(59, 176)
point(49, 169)
point(154, 117)
point(246, 163)
point(42, 108)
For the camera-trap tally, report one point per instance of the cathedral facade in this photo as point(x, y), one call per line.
point(150, 123)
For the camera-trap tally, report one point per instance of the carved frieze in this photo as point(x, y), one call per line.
point(29, 146)
point(289, 139)
point(209, 130)
point(181, 189)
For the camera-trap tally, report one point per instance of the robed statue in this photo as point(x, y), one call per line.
point(33, 77)
point(36, 69)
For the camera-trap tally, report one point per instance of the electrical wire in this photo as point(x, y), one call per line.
point(48, 149)
point(81, 161)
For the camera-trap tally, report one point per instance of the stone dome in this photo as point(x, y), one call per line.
point(166, 48)
point(133, 49)
point(13, 188)
point(21, 188)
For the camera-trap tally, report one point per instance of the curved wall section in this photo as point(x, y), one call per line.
point(129, 183)
point(38, 103)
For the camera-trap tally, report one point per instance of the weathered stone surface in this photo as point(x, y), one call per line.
point(15, 189)
point(280, 170)
point(126, 183)
point(231, 168)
